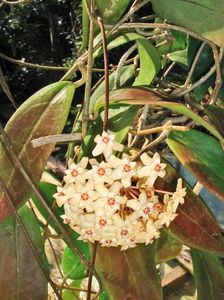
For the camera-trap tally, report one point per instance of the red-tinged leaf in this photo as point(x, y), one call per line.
point(20, 275)
point(167, 247)
point(203, 156)
point(209, 275)
point(129, 274)
point(44, 113)
point(216, 116)
point(195, 225)
point(140, 96)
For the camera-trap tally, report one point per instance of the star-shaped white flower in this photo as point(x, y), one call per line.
point(124, 169)
point(100, 172)
point(142, 206)
point(85, 196)
point(75, 172)
point(152, 169)
point(110, 200)
point(106, 144)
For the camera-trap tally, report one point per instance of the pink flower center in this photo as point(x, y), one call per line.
point(84, 196)
point(67, 220)
point(105, 140)
point(89, 232)
point(74, 173)
point(61, 194)
point(127, 168)
point(111, 201)
point(108, 242)
point(158, 168)
point(102, 222)
point(69, 201)
point(146, 210)
point(124, 232)
point(101, 171)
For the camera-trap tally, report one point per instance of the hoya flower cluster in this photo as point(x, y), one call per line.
point(114, 201)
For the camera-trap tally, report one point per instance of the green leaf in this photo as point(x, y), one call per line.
point(195, 225)
point(179, 57)
point(179, 43)
point(216, 116)
point(202, 16)
point(127, 77)
point(203, 156)
point(44, 113)
point(85, 27)
point(150, 62)
point(208, 274)
point(167, 247)
point(71, 264)
point(140, 96)
point(120, 123)
point(72, 295)
point(131, 272)
point(120, 116)
point(116, 41)
point(20, 275)
point(110, 11)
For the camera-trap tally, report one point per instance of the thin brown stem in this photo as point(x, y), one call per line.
point(56, 138)
point(6, 89)
point(13, 2)
point(92, 263)
point(31, 65)
point(106, 74)
point(158, 129)
point(112, 28)
point(90, 12)
point(85, 115)
point(155, 142)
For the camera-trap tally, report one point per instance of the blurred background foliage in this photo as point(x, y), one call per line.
point(40, 32)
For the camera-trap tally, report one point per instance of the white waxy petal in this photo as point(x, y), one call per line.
point(97, 150)
point(134, 204)
point(146, 159)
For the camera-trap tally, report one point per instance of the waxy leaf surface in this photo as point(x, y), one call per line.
point(216, 116)
point(203, 156)
point(20, 275)
point(202, 16)
point(141, 96)
point(44, 113)
point(150, 62)
point(195, 225)
point(115, 41)
point(208, 274)
point(129, 274)
point(167, 247)
point(72, 265)
point(110, 11)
